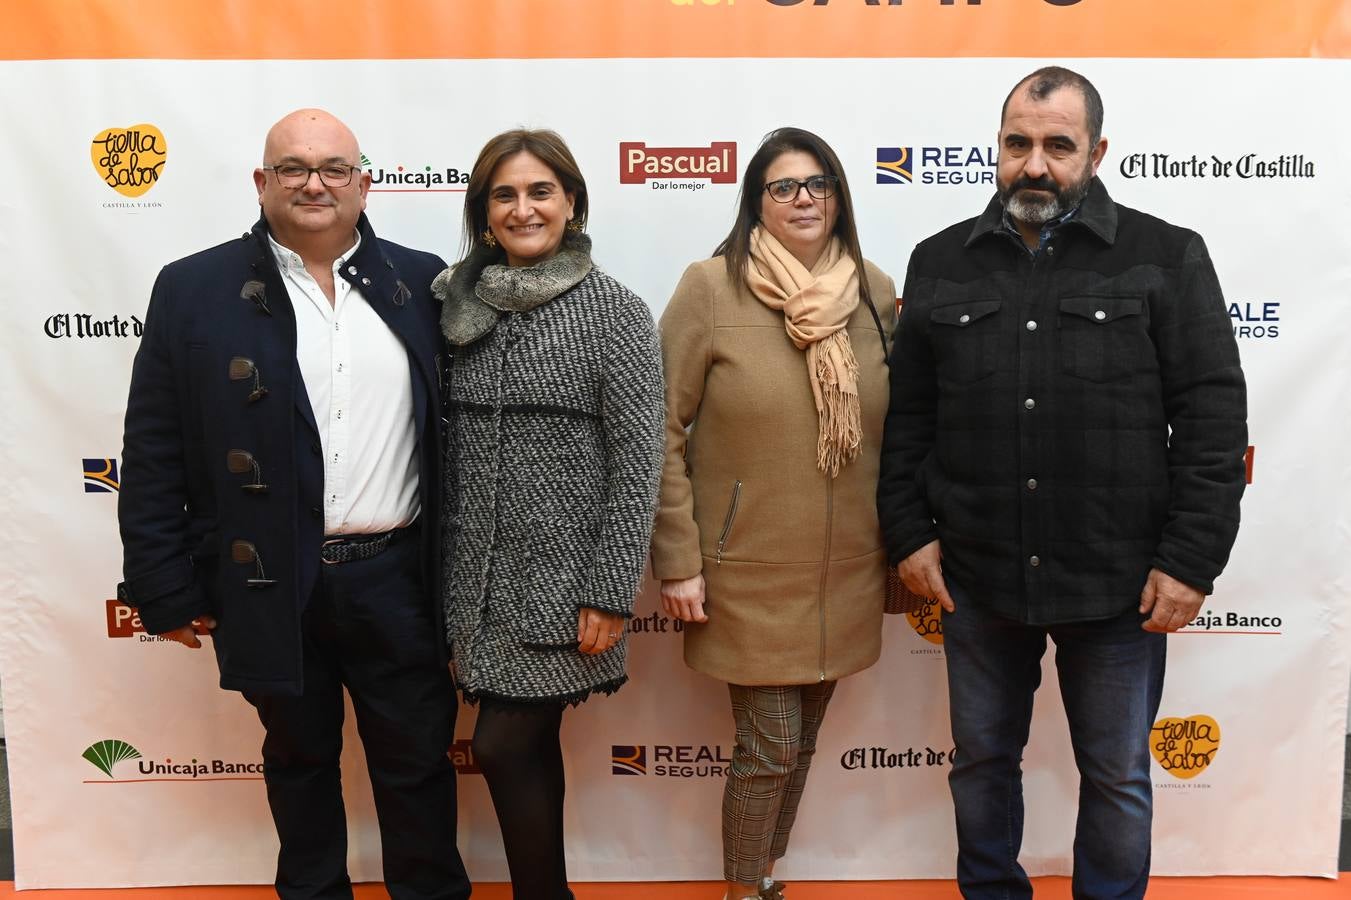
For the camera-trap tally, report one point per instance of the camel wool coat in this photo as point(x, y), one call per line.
point(793, 561)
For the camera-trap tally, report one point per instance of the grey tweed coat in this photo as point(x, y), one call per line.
point(555, 421)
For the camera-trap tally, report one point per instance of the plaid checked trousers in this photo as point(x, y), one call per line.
point(776, 730)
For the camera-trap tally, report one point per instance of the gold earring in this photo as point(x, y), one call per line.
point(574, 226)
point(489, 238)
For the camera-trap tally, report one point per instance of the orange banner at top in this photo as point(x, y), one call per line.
point(540, 29)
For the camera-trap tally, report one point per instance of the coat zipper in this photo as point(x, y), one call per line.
point(731, 515)
point(825, 570)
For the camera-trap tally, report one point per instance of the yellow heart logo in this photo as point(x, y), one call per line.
point(129, 160)
point(927, 619)
point(1184, 747)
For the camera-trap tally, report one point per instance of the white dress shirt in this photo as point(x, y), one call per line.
point(358, 380)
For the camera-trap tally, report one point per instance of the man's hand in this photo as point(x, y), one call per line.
point(598, 631)
point(1173, 604)
point(187, 635)
point(683, 598)
point(922, 572)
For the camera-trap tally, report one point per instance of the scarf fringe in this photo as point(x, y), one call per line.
point(840, 432)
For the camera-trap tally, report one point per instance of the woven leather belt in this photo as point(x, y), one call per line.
point(351, 548)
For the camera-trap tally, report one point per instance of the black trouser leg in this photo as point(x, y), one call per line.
point(368, 626)
point(301, 752)
point(516, 745)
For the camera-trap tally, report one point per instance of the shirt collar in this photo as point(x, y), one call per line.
point(1043, 234)
point(287, 259)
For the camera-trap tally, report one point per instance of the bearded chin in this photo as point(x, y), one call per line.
point(1023, 206)
point(1034, 212)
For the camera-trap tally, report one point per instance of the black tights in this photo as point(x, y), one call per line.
point(516, 745)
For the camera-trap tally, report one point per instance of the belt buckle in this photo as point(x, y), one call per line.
point(328, 543)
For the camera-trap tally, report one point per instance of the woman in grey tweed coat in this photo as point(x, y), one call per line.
point(555, 415)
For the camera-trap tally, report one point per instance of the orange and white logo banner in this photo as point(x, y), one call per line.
point(135, 130)
point(596, 29)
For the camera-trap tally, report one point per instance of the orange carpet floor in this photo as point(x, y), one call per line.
point(1046, 889)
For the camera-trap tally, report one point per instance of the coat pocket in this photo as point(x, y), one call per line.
point(554, 595)
point(730, 519)
point(965, 339)
point(1104, 337)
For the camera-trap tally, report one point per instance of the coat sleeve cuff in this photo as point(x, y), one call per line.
point(169, 611)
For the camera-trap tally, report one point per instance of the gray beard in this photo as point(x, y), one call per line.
point(1039, 212)
point(1035, 212)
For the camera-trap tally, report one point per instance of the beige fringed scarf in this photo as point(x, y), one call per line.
point(816, 306)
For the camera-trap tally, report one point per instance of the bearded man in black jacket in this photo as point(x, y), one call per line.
point(1063, 457)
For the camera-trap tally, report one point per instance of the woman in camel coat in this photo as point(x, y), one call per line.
point(767, 541)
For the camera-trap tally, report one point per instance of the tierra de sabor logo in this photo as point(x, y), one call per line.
point(129, 159)
point(927, 620)
point(1185, 747)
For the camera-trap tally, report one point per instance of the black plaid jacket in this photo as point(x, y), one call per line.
point(1064, 422)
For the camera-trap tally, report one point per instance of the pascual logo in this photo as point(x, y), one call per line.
point(943, 165)
point(685, 168)
point(1253, 320)
point(886, 758)
point(83, 325)
point(1243, 167)
point(100, 476)
point(424, 179)
point(461, 755)
point(1184, 748)
point(628, 759)
point(105, 755)
point(671, 760)
point(129, 159)
point(125, 622)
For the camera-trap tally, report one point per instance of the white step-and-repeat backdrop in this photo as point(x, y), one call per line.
point(131, 142)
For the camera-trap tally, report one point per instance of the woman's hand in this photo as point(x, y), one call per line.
point(683, 598)
point(598, 631)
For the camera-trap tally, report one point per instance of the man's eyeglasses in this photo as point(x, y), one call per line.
point(785, 190)
point(333, 175)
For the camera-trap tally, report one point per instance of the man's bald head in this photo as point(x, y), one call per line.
point(310, 127)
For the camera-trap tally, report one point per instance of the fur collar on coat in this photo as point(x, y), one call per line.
point(479, 288)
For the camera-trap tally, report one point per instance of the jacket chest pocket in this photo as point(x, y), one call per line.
point(965, 339)
point(1104, 338)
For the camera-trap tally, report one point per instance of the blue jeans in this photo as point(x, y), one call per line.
point(1111, 678)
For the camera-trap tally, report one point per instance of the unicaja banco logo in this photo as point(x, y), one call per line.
point(100, 476)
point(129, 159)
point(416, 179)
point(105, 754)
point(628, 759)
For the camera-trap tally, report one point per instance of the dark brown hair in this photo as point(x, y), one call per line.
point(735, 249)
point(542, 143)
point(1047, 80)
